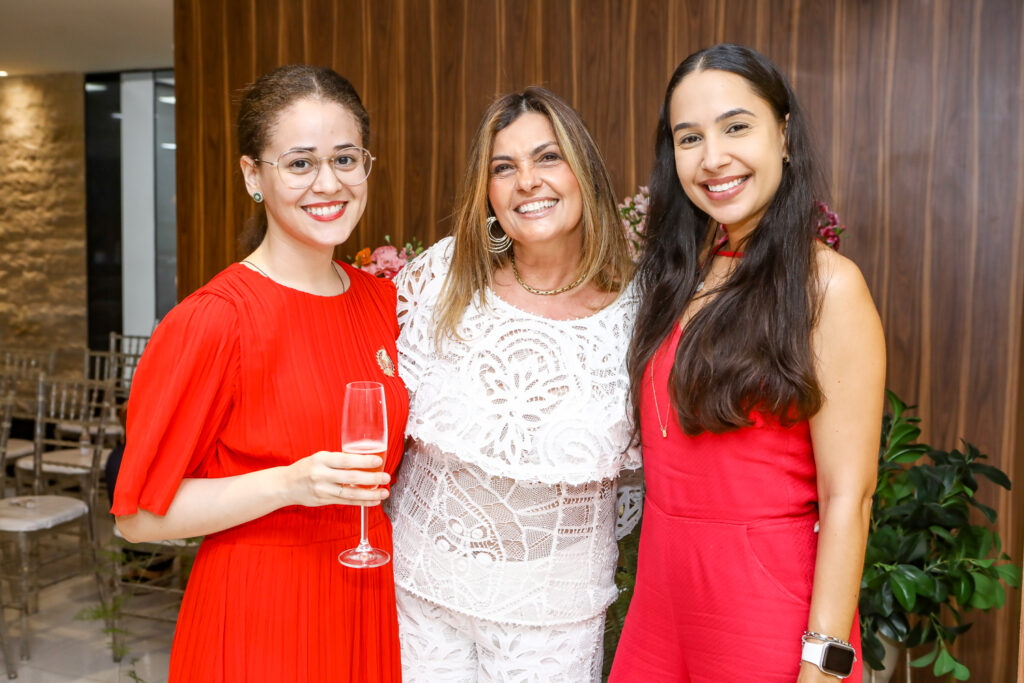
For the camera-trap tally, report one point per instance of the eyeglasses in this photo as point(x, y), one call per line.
point(298, 170)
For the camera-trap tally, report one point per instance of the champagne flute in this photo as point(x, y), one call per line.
point(364, 430)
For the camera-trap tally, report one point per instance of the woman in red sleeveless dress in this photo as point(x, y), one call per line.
point(234, 428)
point(757, 368)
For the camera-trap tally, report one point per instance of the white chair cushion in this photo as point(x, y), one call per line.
point(31, 513)
point(110, 428)
point(66, 461)
point(19, 447)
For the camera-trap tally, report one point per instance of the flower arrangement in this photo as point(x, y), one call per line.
point(634, 216)
point(633, 211)
point(387, 260)
point(829, 228)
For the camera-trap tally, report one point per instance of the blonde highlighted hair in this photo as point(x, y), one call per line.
point(604, 259)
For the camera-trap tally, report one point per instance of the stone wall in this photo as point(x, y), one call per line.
point(42, 216)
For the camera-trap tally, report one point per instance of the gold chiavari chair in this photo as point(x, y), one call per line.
point(131, 344)
point(34, 529)
point(70, 450)
point(101, 369)
point(23, 367)
point(130, 347)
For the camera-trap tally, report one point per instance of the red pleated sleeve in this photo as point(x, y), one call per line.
point(181, 395)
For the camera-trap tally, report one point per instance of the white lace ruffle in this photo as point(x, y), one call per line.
point(520, 395)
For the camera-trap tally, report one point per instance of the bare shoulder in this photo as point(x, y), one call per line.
point(848, 321)
point(840, 281)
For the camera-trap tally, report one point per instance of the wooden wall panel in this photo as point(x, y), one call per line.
point(951, 218)
point(451, 140)
point(989, 394)
point(556, 34)
point(916, 108)
point(652, 67)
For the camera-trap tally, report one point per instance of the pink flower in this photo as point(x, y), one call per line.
point(386, 261)
point(642, 200)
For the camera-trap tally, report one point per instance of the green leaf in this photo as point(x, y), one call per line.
point(962, 588)
point(1000, 598)
point(900, 625)
point(923, 583)
point(887, 599)
point(961, 672)
point(993, 474)
point(903, 589)
point(984, 591)
point(925, 660)
point(1010, 574)
point(871, 648)
point(990, 514)
point(903, 433)
point(944, 663)
point(905, 455)
point(942, 533)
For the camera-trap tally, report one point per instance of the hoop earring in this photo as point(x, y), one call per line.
point(495, 244)
point(257, 197)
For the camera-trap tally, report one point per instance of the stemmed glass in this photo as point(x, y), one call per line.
point(364, 430)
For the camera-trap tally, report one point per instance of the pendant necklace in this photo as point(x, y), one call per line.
point(654, 392)
point(334, 267)
point(654, 359)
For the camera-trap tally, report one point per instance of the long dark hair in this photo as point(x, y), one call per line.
point(272, 93)
point(750, 347)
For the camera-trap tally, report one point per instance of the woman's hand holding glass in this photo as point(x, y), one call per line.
point(333, 478)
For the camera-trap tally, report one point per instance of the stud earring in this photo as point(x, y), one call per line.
point(257, 197)
point(785, 158)
point(496, 244)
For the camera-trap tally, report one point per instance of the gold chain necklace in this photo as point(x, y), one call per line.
point(542, 292)
point(657, 410)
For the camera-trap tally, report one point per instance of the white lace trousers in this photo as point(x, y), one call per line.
point(443, 646)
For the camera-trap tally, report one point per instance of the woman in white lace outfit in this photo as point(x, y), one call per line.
point(513, 346)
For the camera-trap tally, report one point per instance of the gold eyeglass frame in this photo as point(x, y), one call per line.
point(319, 160)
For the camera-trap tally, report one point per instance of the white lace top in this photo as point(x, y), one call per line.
point(505, 507)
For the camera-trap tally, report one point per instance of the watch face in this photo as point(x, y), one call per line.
point(837, 660)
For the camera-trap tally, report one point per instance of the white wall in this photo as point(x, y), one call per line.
point(138, 204)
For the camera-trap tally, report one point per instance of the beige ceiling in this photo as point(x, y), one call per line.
point(53, 36)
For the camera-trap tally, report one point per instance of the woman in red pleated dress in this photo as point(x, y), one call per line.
point(234, 429)
point(757, 368)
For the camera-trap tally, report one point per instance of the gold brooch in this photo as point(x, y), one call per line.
point(384, 361)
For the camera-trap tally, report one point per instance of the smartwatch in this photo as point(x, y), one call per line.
point(834, 659)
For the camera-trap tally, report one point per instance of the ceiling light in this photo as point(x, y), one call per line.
point(3, 74)
point(95, 87)
point(167, 99)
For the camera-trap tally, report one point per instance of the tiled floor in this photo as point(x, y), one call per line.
point(66, 648)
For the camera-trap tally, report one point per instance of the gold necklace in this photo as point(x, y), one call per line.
point(541, 292)
point(657, 410)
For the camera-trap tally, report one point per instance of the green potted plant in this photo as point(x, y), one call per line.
point(927, 564)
